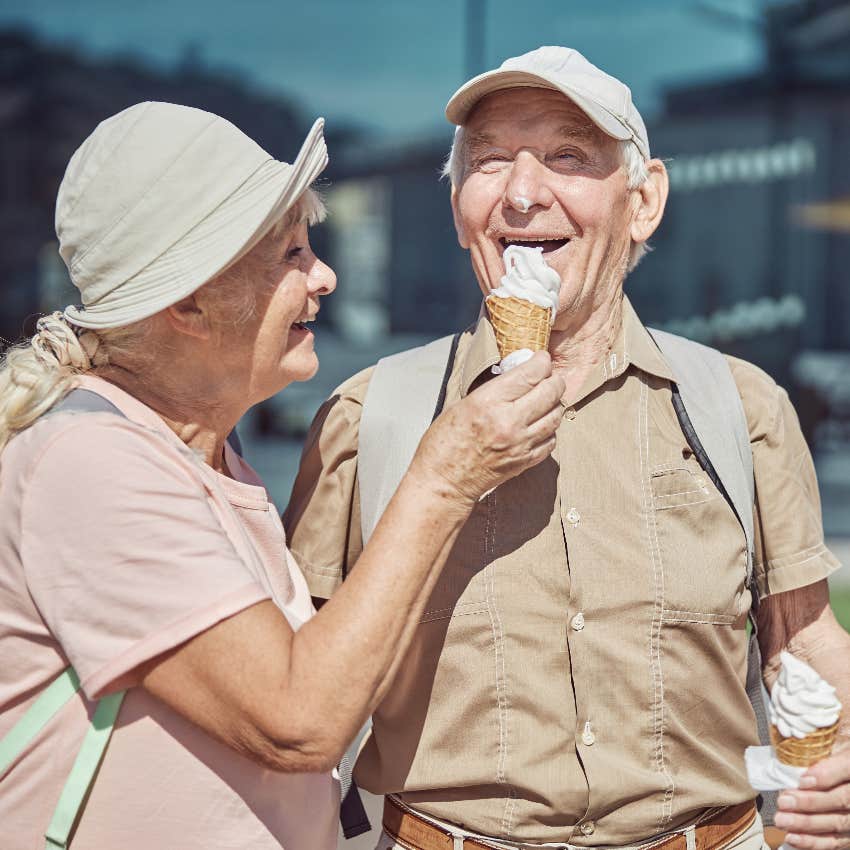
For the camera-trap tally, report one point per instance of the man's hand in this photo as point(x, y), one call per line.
point(817, 815)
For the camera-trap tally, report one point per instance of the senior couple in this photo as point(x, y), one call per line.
point(544, 611)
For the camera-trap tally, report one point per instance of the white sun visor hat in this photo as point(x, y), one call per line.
point(160, 199)
point(603, 98)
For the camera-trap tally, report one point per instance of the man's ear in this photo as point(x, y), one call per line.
point(652, 197)
point(461, 232)
point(188, 317)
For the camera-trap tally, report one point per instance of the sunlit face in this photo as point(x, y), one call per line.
point(538, 172)
point(292, 281)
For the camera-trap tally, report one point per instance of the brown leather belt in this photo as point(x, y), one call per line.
point(416, 833)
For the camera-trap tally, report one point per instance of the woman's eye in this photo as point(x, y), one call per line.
point(293, 253)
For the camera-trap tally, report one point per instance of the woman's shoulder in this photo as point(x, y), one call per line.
point(80, 447)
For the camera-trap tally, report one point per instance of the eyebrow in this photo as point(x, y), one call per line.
point(587, 131)
point(582, 132)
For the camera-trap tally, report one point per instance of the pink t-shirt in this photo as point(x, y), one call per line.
point(117, 543)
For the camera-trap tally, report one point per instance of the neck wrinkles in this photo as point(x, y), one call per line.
point(202, 426)
point(576, 352)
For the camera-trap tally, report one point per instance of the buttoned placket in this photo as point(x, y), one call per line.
point(571, 524)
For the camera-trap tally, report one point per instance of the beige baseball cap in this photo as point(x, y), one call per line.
point(161, 198)
point(603, 98)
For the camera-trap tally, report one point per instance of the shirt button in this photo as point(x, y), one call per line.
point(570, 413)
point(587, 736)
point(577, 622)
point(573, 516)
point(588, 827)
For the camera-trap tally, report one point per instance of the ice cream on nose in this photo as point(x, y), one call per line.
point(523, 308)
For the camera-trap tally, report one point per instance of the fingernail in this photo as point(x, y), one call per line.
point(787, 801)
point(792, 838)
point(808, 782)
point(783, 820)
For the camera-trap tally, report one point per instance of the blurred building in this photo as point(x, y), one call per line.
point(50, 100)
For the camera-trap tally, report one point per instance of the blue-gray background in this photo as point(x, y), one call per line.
point(749, 102)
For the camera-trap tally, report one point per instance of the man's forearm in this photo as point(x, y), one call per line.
point(801, 622)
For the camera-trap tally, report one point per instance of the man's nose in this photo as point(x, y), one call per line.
point(527, 184)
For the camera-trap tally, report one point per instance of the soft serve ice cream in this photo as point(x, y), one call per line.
point(804, 713)
point(523, 308)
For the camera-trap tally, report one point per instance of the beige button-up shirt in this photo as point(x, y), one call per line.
point(578, 675)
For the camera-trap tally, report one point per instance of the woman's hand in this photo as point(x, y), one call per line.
point(496, 432)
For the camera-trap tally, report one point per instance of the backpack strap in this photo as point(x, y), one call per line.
point(79, 400)
point(714, 414)
point(408, 390)
point(81, 777)
point(711, 415)
point(38, 715)
point(46, 706)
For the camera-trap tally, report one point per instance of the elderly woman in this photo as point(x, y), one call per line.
point(140, 550)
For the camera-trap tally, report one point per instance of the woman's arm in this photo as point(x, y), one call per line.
point(293, 701)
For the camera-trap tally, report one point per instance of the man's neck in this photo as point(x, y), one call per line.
point(576, 350)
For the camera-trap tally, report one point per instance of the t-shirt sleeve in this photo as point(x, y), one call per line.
point(123, 551)
point(322, 520)
point(789, 545)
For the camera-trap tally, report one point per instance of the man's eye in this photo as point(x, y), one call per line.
point(293, 253)
point(491, 159)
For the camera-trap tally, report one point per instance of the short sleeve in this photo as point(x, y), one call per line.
point(789, 546)
point(322, 520)
point(122, 551)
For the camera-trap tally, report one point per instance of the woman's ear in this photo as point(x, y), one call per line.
point(652, 197)
point(189, 317)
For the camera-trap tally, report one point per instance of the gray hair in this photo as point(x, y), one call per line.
point(634, 164)
point(35, 375)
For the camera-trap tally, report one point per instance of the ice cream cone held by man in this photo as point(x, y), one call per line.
point(523, 308)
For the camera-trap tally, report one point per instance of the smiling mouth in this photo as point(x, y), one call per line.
point(549, 246)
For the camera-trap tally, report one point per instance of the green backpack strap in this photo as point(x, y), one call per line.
point(82, 773)
point(39, 714)
point(48, 704)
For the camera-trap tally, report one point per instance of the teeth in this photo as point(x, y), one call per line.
point(507, 240)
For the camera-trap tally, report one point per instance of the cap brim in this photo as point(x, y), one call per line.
point(226, 235)
point(468, 95)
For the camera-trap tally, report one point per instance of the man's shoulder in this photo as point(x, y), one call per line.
point(763, 399)
point(353, 390)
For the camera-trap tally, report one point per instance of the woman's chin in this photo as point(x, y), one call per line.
point(303, 370)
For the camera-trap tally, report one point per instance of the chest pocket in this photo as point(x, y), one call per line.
point(701, 546)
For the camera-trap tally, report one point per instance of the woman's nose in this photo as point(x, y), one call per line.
point(527, 184)
point(322, 278)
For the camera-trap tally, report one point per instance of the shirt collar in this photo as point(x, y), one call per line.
point(633, 346)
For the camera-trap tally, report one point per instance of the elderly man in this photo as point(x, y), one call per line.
point(579, 675)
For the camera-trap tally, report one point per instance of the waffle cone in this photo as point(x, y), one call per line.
point(804, 752)
point(519, 324)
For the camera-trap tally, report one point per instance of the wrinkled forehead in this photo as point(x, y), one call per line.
point(531, 112)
